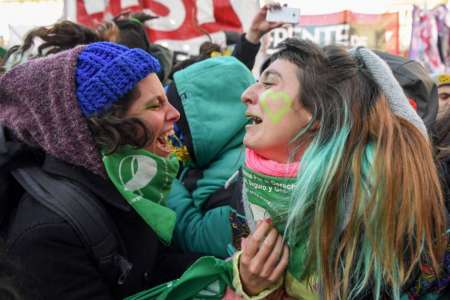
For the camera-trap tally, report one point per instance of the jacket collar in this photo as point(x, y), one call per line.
point(103, 188)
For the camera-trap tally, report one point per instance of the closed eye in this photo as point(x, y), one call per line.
point(267, 84)
point(153, 105)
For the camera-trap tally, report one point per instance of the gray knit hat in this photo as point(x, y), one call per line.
point(383, 76)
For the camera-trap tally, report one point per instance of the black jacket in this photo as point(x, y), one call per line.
point(54, 261)
point(246, 51)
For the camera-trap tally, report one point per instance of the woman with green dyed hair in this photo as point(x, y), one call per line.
point(340, 167)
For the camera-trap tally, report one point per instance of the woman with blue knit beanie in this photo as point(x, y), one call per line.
point(95, 118)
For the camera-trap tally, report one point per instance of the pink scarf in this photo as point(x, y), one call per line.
point(268, 167)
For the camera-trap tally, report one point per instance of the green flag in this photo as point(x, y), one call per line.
point(207, 278)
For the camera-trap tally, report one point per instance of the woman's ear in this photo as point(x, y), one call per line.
point(315, 126)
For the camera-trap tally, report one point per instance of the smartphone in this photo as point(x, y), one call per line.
point(284, 14)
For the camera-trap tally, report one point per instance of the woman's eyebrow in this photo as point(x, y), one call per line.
point(272, 72)
point(153, 99)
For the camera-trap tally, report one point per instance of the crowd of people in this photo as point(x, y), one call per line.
point(126, 175)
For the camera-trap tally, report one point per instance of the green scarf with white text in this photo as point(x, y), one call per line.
point(144, 180)
point(270, 197)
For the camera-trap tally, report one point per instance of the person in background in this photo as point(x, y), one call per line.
point(441, 137)
point(417, 84)
point(43, 41)
point(247, 46)
point(443, 82)
point(125, 29)
point(129, 29)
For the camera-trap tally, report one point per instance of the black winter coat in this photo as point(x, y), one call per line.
point(246, 51)
point(54, 261)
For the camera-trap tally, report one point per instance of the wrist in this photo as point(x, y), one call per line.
point(251, 291)
point(238, 287)
point(253, 37)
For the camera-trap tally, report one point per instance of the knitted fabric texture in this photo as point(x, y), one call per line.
point(269, 167)
point(106, 71)
point(383, 76)
point(38, 103)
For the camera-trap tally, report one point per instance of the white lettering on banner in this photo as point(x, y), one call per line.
point(277, 36)
point(128, 3)
point(173, 20)
point(356, 41)
point(323, 35)
point(93, 7)
point(205, 11)
point(333, 34)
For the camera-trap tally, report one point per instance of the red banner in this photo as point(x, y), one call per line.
point(178, 19)
point(182, 24)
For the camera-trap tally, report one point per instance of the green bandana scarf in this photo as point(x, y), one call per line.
point(207, 279)
point(269, 197)
point(144, 180)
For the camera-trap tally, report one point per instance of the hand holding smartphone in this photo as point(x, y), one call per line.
point(284, 14)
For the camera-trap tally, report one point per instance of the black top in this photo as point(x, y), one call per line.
point(55, 263)
point(246, 51)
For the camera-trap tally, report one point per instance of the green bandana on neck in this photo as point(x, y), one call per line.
point(270, 197)
point(144, 180)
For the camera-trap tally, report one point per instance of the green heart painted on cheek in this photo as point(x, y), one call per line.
point(277, 114)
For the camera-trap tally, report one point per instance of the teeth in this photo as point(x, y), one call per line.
point(165, 136)
point(254, 119)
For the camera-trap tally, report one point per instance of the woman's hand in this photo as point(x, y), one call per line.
point(260, 25)
point(263, 260)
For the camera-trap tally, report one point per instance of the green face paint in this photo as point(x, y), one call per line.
point(144, 180)
point(283, 107)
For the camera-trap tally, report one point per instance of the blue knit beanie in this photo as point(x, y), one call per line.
point(107, 71)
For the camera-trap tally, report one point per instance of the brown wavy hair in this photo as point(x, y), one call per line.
point(113, 128)
point(368, 206)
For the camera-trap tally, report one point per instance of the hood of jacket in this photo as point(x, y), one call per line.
point(209, 100)
point(38, 104)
